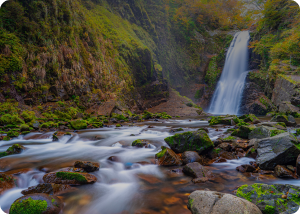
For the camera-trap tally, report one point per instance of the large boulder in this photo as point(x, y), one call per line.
point(199, 172)
point(276, 198)
point(87, 166)
point(279, 150)
point(50, 189)
point(288, 120)
point(197, 141)
point(167, 157)
point(37, 203)
point(190, 157)
point(264, 132)
point(211, 202)
point(73, 178)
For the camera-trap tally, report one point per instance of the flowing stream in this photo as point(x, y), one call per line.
point(133, 183)
point(228, 94)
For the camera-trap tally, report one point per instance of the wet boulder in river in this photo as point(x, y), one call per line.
point(167, 157)
point(278, 150)
point(197, 141)
point(199, 172)
point(51, 189)
point(276, 198)
point(211, 202)
point(243, 131)
point(249, 118)
point(39, 203)
point(288, 120)
point(190, 157)
point(72, 178)
point(87, 166)
point(283, 172)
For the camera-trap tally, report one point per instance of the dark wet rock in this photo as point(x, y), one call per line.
point(114, 159)
point(36, 125)
point(225, 146)
point(278, 150)
point(87, 166)
point(50, 189)
point(71, 169)
point(298, 165)
point(211, 202)
point(282, 172)
point(72, 178)
point(217, 142)
point(167, 157)
point(55, 138)
point(288, 120)
point(227, 155)
point(197, 141)
point(39, 203)
point(199, 172)
point(290, 167)
point(245, 168)
point(6, 182)
point(190, 157)
point(243, 131)
point(251, 153)
point(271, 198)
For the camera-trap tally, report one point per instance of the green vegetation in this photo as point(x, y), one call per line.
point(71, 176)
point(137, 143)
point(162, 152)
point(78, 124)
point(229, 138)
point(28, 206)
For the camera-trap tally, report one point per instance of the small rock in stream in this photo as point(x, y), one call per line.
point(51, 189)
point(87, 166)
point(72, 178)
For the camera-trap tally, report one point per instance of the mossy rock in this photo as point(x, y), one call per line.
point(268, 198)
point(78, 124)
point(225, 120)
point(15, 149)
point(167, 157)
point(13, 134)
point(38, 203)
point(72, 178)
point(137, 143)
point(28, 116)
point(118, 125)
point(8, 119)
point(25, 132)
point(6, 138)
point(243, 131)
point(24, 127)
point(249, 118)
point(197, 141)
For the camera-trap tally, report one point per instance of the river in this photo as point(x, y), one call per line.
point(133, 183)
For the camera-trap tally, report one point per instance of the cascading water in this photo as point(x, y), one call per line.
point(227, 97)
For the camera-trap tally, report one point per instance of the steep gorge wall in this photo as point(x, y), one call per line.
point(96, 50)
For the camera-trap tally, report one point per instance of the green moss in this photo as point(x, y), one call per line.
point(24, 127)
point(297, 132)
point(28, 116)
point(118, 125)
point(25, 132)
point(217, 150)
point(162, 152)
point(281, 124)
point(229, 138)
point(241, 194)
point(269, 209)
point(71, 176)
point(137, 143)
point(78, 124)
point(28, 206)
point(276, 132)
point(190, 203)
point(6, 138)
point(67, 133)
point(13, 134)
point(3, 154)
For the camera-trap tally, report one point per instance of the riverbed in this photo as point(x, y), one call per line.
point(129, 180)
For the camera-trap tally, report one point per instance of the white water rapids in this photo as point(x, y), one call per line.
point(227, 97)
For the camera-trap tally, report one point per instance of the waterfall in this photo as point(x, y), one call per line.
point(228, 95)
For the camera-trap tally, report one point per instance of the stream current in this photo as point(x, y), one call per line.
point(133, 183)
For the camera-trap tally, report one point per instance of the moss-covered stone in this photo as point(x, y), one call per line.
point(190, 141)
point(137, 143)
point(13, 134)
point(269, 197)
point(243, 131)
point(28, 116)
point(78, 124)
point(71, 176)
point(6, 138)
point(118, 125)
point(249, 118)
point(28, 206)
point(24, 127)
